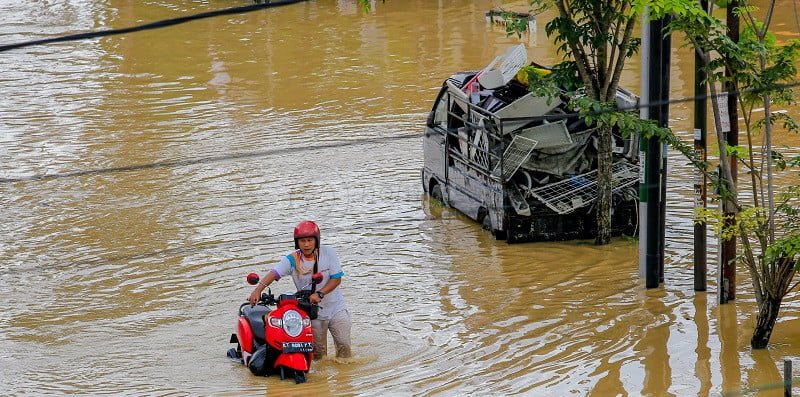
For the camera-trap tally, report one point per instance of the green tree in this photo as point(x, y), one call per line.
point(767, 226)
point(596, 39)
point(599, 37)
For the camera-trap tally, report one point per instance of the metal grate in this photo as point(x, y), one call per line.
point(579, 191)
point(479, 151)
point(515, 154)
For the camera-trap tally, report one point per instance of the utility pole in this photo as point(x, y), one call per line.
point(655, 88)
point(700, 180)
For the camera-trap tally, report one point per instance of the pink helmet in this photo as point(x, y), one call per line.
point(306, 229)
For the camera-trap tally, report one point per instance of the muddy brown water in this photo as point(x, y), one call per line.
point(146, 174)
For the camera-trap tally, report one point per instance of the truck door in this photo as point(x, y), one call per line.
point(435, 146)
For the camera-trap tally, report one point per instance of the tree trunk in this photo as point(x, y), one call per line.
point(765, 322)
point(604, 164)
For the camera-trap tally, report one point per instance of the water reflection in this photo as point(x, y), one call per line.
point(702, 368)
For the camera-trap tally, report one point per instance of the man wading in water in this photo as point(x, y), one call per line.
point(308, 258)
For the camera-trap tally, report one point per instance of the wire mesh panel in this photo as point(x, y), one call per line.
point(515, 154)
point(581, 190)
point(479, 151)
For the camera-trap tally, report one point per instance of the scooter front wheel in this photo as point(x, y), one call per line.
point(299, 377)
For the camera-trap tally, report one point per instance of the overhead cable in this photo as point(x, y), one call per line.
point(202, 160)
point(148, 26)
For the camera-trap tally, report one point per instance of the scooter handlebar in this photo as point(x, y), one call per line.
point(267, 299)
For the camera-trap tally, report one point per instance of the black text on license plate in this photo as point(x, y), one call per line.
point(297, 347)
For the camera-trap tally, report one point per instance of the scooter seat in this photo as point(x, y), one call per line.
point(255, 316)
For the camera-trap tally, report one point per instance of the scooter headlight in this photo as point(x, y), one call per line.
point(292, 323)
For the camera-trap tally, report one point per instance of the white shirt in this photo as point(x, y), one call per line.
point(328, 265)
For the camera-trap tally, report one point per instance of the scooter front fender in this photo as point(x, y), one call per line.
point(296, 361)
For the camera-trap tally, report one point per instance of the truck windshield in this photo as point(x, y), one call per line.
point(440, 111)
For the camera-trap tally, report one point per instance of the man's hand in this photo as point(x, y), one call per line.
point(255, 296)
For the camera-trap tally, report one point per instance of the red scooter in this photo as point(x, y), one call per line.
point(276, 340)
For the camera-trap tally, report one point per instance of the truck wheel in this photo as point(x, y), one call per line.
point(486, 224)
point(436, 193)
point(484, 219)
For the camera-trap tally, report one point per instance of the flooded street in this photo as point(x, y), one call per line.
point(142, 176)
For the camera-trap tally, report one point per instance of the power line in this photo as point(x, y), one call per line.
point(203, 160)
point(148, 26)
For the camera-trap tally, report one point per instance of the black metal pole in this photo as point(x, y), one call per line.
point(663, 121)
point(658, 94)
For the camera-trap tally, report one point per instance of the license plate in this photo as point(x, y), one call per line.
point(297, 347)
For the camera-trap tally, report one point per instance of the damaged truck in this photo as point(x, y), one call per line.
point(523, 165)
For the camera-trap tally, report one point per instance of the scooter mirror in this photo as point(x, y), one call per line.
point(316, 278)
point(252, 278)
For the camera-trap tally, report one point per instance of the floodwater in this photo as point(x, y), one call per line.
point(144, 175)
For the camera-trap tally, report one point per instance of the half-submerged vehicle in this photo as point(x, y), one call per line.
point(279, 340)
point(513, 161)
